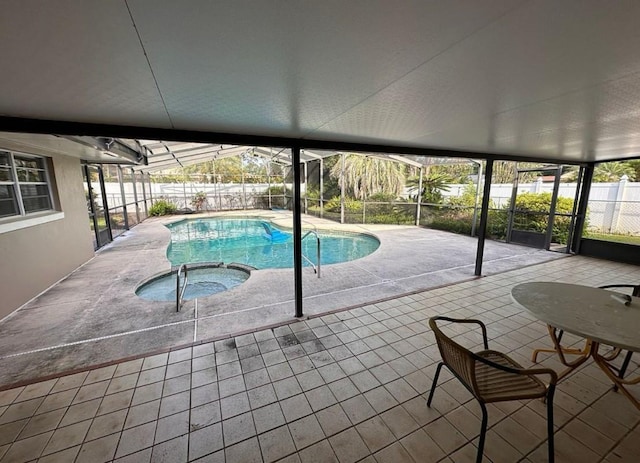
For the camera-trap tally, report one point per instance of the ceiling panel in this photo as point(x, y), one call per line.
point(75, 60)
point(550, 58)
point(534, 78)
point(289, 67)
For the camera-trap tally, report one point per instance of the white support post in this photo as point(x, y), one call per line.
point(537, 186)
point(617, 207)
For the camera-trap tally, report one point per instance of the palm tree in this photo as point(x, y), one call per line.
point(365, 176)
point(612, 171)
point(432, 187)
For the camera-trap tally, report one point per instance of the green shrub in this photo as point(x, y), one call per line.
point(262, 198)
point(350, 205)
point(532, 214)
point(162, 207)
point(382, 198)
point(466, 199)
point(460, 226)
point(396, 212)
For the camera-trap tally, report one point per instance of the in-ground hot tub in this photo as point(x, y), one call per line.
point(202, 280)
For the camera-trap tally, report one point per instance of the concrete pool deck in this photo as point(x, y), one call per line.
point(93, 316)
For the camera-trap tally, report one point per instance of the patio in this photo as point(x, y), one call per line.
point(99, 318)
point(348, 386)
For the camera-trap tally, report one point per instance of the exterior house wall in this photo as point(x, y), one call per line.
point(34, 258)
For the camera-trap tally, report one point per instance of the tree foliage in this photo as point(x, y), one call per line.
point(232, 169)
point(365, 176)
point(505, 171)
point(456, 173)
point(613, 171)
point(432, 187)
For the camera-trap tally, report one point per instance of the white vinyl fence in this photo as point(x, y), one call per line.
point(613, 207)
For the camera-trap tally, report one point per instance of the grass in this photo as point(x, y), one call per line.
point(628, 239)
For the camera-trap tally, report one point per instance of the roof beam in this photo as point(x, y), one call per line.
point(17, 124)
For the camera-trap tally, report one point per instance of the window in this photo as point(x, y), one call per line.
point(24, 184)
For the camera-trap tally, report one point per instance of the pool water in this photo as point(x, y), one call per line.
point(200, 282)
point(245, 241)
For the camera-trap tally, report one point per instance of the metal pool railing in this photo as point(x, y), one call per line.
point(180, 291)
point(316, 268)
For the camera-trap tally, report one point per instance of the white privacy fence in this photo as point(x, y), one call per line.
point(613, 207)
point(219, 196)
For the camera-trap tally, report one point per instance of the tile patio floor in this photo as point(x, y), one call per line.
point(346, 387)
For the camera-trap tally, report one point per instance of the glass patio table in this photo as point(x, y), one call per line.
point(600, 316)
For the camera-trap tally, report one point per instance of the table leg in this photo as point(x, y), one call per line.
point(614, 375)
point(556, 336)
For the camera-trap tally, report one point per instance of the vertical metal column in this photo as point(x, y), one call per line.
point(216, 187)
point(244, 186)
point(105, 203)
point(306, 187)
point(92, 205)
point(124, 198)
point(269, 181)
point(144, 197)
point(321, 188)
point(574, 209)
point(342, 190)
point(297, 232)
point(150, 189)
point(552, 208)
point(475, 205)
point(135, 194)
point(512, 204)
point(284, 189)
point(419, 198)
point(184, 188)
point(484, 213)
point(582, 207)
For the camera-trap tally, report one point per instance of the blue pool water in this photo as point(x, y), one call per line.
point(200, 282)
point(245, 241)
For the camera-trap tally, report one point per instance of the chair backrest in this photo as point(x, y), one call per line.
point(459, 359)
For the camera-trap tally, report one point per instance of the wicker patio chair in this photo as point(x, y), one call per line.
point(491, 376)
point(583, 353)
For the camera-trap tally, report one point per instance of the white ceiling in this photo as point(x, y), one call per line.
point(548, 78)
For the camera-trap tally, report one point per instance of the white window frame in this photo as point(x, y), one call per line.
point(15, 183)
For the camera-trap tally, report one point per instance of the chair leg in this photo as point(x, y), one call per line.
point(623, 368)
point(483, 433)
point(625, 364)
point(435, 382)
point(550, 430)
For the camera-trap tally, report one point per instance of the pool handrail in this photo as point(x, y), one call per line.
point(180, 291)
point(316, 269)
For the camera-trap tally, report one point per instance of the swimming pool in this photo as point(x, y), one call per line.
point(246, 241)
point(202, 280)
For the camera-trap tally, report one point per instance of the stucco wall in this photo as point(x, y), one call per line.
point(33, 258)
